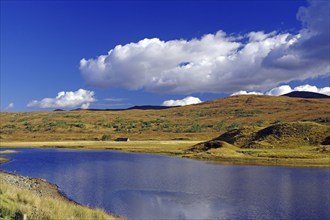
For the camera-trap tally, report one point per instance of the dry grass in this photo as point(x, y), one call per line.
point(196, 122)
point(173, 131)
point(8, 151)
point(159, 147)
point(4, 160)
point(15, 202)
point(293, 144)
point(307, 156)
point(304, 156)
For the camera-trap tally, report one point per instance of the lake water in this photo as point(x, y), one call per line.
point(144, 186)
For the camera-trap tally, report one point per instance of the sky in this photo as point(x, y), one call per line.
point(117, 54)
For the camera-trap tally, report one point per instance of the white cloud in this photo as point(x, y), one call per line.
point(281, 90)
point(284, 89)
point(181, 102)
point(218, 62)
point(85, 105)
point(80, 98)
point(246, 93)
point(325, 90)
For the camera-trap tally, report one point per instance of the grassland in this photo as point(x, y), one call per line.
point(175, 131)
point(4, 160)
point(156, 147)
point(3, 152)
point(196, 122)
point(8, 152)
point(284, 144)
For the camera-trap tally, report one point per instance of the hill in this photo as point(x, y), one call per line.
point(294, 144)
point(307, 95)
point(203, 121)
point(142, 107)
point(283, 135)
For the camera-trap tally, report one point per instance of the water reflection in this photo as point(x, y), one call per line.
point(157, 187)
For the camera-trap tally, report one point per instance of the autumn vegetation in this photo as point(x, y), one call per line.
point(238, 130)
point(196, 122)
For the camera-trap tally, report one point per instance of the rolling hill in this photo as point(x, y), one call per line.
point(203, 121)
point(282, 135)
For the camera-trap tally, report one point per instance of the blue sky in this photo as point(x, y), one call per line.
point(170, 50)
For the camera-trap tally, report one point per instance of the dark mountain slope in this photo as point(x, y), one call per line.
point(306, 95)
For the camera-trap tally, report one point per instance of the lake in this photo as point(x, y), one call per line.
point(145, 186)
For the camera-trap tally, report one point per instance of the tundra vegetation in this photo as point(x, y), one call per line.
point(294, 143)
point(295, 126)
point(195, 122)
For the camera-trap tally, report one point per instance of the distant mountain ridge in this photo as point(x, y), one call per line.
point(137, 107)
point(306, 95)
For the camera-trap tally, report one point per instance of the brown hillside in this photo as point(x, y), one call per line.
point(196, 122)
point(285, 135)
point(288, 143)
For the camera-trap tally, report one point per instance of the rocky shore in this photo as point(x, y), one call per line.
point(39, 186)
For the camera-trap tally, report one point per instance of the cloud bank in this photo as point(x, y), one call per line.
point(181, 102)
point(284, 89)
point(80, 98)
point(218, 62)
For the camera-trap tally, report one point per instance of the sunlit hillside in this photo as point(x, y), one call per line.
point(195, 122)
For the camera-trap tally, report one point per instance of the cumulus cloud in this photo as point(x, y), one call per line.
point(181, 102)
point(85, 105)
point(80, 98)
point(284, 89)
point(281, 90)
point(311, 47)
point(246, 93)
point(218, 62)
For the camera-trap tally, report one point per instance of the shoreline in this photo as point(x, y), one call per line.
point(178, 149)
point(43, 188)
point(40, 187)
point(44, 193)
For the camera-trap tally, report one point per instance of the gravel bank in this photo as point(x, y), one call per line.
point(39, 186)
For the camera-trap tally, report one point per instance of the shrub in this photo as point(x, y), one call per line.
point(106, 137)
point(78, 124)
point(232, 126)
point(195, 128)
point(9, 126)
point(258, 123)
point(219, 126)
